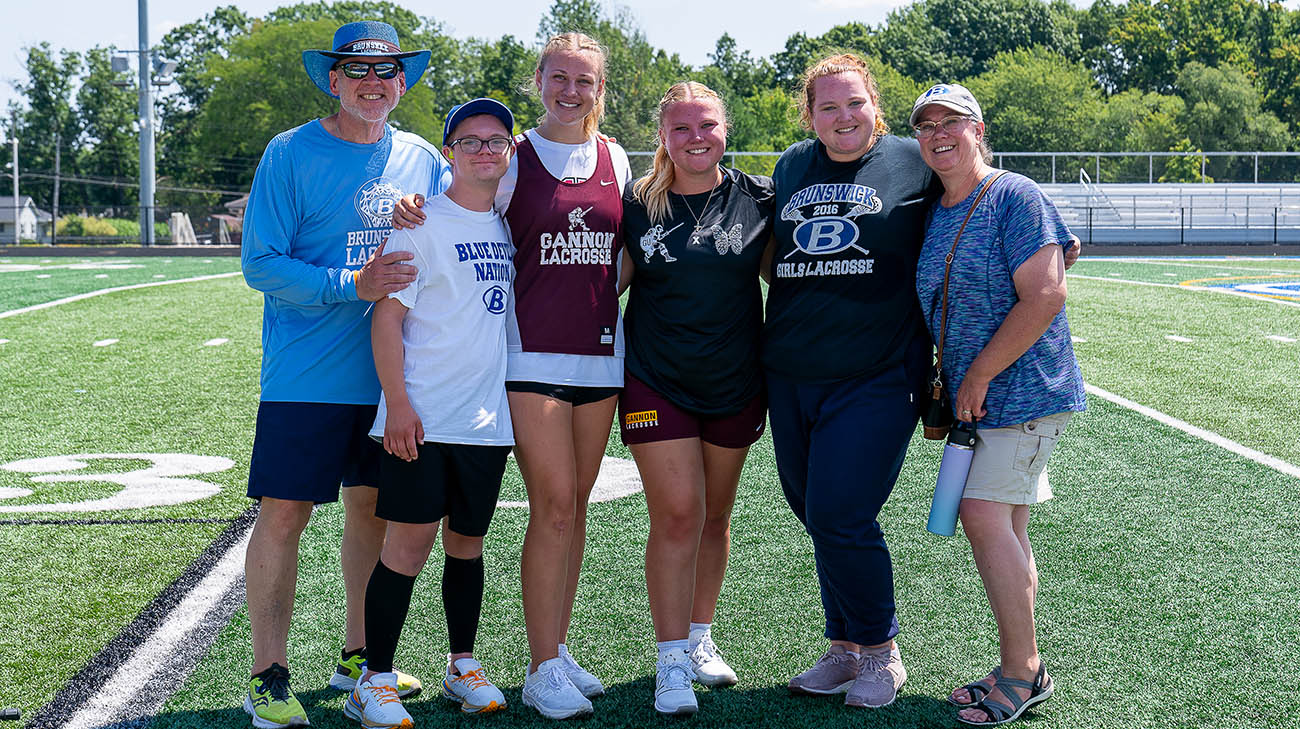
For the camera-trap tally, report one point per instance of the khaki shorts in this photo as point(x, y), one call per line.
point(1010, 464)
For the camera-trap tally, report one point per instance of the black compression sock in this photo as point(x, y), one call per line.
point(388, 597)
point(462, 599)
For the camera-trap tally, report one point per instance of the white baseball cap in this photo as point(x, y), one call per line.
point(953, 96)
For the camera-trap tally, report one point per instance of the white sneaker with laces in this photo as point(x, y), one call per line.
point(466, 684)
point(589, 685)
point(374, 703)
point(710, 669)
point(552, 693)
point(673, 692)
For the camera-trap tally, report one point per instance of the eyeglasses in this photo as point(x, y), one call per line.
point(950, 124)
point(360, 69)
point(473, 145)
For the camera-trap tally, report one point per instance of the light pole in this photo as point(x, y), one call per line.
point(161, 71)
point(147, 172)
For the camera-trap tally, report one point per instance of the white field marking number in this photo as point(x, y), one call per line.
point(618, 477)
point(162, 483)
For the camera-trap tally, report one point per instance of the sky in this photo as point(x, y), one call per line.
point(687, 27)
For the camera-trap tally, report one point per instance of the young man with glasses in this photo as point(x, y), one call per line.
point(318, 217)
point(440, 351)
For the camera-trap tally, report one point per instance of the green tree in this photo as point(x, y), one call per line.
point(503, 70)
point(1278, 52)
point(259, 89)
point(1224, 112)
point(944, 40)
point(801, 51)
point(49, 116)
point(1150, 41)
point(1185, 168)
point(1035, 100)
point(738, 74)
point(110, 143)
point(446, 71)
point(636, 75)
point(764, 122)
point(191, 46)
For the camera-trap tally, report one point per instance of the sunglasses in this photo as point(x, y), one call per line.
point(360, 69)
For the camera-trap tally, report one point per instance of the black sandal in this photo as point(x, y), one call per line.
point(999, 713)
point(974, 686)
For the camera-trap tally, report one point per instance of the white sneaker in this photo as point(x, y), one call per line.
point(710, 669)
point(552, 693)
point(673, 692)
point(589, 685)
point(374, 703)
point(471, 689)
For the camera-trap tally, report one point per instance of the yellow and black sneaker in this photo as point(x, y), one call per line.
point(352, 665)
point(270, 701)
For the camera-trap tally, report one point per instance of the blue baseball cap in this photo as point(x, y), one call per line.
point(361, 39)
point(474, 107)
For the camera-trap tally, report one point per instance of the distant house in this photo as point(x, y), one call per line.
point(230, 225)
point(34, 224)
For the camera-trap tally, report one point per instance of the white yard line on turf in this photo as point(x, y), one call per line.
point(1164, 262)
point(1211, 289)
point(129, 684)
point(89, 294)
point(1272, 462)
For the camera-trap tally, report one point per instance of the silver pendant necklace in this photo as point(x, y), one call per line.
point(695, 234)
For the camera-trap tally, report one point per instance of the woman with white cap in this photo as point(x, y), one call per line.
point(991, 282)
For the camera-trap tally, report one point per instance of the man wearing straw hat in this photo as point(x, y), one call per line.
point(318, 217)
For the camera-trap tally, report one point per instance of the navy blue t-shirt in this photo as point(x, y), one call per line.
point(842, 301)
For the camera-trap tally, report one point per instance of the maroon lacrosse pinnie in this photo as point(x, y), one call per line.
point(568, 237)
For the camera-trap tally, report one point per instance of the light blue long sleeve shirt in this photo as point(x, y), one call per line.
point(318, 208)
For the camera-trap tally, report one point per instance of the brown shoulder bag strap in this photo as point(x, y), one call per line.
point(947, 269)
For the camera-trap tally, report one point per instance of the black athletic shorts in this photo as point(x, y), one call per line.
point(457, 481)
point(575, 395)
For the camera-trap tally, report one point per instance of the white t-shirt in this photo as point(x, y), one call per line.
point(571, 163)
point(454, 332)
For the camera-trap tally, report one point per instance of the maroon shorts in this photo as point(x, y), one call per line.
point(645, 416)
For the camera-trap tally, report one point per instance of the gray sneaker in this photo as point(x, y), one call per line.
point(833, 673)
point(880, 675)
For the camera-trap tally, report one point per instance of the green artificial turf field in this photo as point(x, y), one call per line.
point(1167, 562)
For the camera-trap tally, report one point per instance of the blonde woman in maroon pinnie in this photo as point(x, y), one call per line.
point(565, 363)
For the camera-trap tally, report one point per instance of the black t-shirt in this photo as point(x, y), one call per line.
point(842, 301)
point(694, 314)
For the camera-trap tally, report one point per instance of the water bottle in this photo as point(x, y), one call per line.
point(953, 469)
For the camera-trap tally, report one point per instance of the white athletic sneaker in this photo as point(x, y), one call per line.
point(552, 693)
point(673, 692)
point(471, 689)
point(374, 703)
point(710, 669)
point(589, 685)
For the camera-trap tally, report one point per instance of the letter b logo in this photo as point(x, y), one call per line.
point(824, 235)
point(495, 300)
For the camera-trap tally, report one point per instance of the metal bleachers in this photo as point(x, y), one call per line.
point(1179, 213)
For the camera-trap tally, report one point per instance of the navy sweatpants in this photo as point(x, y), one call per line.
point(839, 450)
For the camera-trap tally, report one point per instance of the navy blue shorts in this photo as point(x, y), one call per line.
point(303, 451)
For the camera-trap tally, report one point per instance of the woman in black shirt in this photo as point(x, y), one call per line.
point(692, 402)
